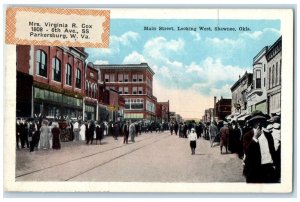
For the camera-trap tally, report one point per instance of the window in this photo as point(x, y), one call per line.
point(125, 90)
point(264, 67)
point(276, 74)
point(41, 63)
point(106, 78)
point(140, 77)
point(258, 79)
point(78, 78)
point(264, 82)
point(273, 75)
point(87, 87)
point(126, 78)
point(120, 90)
point(120, 77)
point(140, 90)
point(68, 74)
point(134, 90)
point(112, 78)
point(270, 77)
point(279, 72)
point(56, 69)
point(134, 78)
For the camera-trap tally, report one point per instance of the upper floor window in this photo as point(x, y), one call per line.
point(270, 77)
point(258, 79)
point(78, 78)
point(140, 78)
point(56, 69)
point(120, 90)
point(68, 74)
point(106, 77)
point(41, 63)
point(120, 77)
point(273, 75)
point(140, 90)
point(134, 78)
point(125, 90)
point(126, 78)
point(134, 90)
point(276, 74)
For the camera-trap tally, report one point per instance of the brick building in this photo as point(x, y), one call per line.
point(134, 83)
point(56, 76)
point(222, 109)
point(162, 112)
point(91, 93)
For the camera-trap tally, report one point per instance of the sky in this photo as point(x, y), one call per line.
point(191, 67)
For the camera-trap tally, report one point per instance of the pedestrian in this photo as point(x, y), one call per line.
point(37, 134)
point(50, 136)
point(132, 132)
point(91, 131)
point(193, 138)
point(18, 132)
point(125, 133)
point(31, 132)
point(259, 155)
point(224, 136)
point(99, 131)
point(56, 136)
point(76, 131)
point(185, 130)
point(171, 128)
point(116, 130)
point(213, 132)
point(44, 138)
point(176, 127)
point(82, 132)
point(24, 133)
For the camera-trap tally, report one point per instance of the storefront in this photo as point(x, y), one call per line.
point(57, 105)
point(24, 95)
point(90, 111)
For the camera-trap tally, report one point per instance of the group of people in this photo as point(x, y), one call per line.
point(256, 140)
point(37, 134)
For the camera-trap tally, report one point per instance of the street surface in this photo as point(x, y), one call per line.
point(154, 157)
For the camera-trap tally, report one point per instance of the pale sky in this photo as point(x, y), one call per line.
point(191, 67)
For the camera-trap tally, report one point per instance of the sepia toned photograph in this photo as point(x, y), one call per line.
point(174, 98)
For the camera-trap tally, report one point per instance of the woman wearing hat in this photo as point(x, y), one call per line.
point(193, 138)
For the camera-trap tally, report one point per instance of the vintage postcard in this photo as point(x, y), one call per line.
point(148, 100)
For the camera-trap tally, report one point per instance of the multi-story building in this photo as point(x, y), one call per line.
point(57, 81)
point(162, 112)
point(91, 93)
point(274, 57)
point(239, 94)
point(134, 83)
point(257, 94)
point(222, 108)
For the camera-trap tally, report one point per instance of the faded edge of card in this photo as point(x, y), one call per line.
point(286, 17)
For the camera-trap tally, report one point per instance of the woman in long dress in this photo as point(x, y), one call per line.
point(82, 132)
point(56, 137)
point(44, 138)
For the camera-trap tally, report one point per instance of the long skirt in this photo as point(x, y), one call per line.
point(193, 144)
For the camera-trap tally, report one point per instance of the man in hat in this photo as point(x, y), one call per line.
point(259, 164)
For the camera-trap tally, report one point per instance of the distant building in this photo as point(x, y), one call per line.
point(135, 83)
point(162, 112)
point(257, 92)
point(239, 94)
point(222, 108)
point(91, 93)
point(208, 115)
point(274, 56)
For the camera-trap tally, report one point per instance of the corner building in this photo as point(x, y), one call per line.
point(135, 83)
point(56, 76)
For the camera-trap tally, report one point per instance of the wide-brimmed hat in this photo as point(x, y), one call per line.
point(258, 115)
point(274, 119)
point(225, 123)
